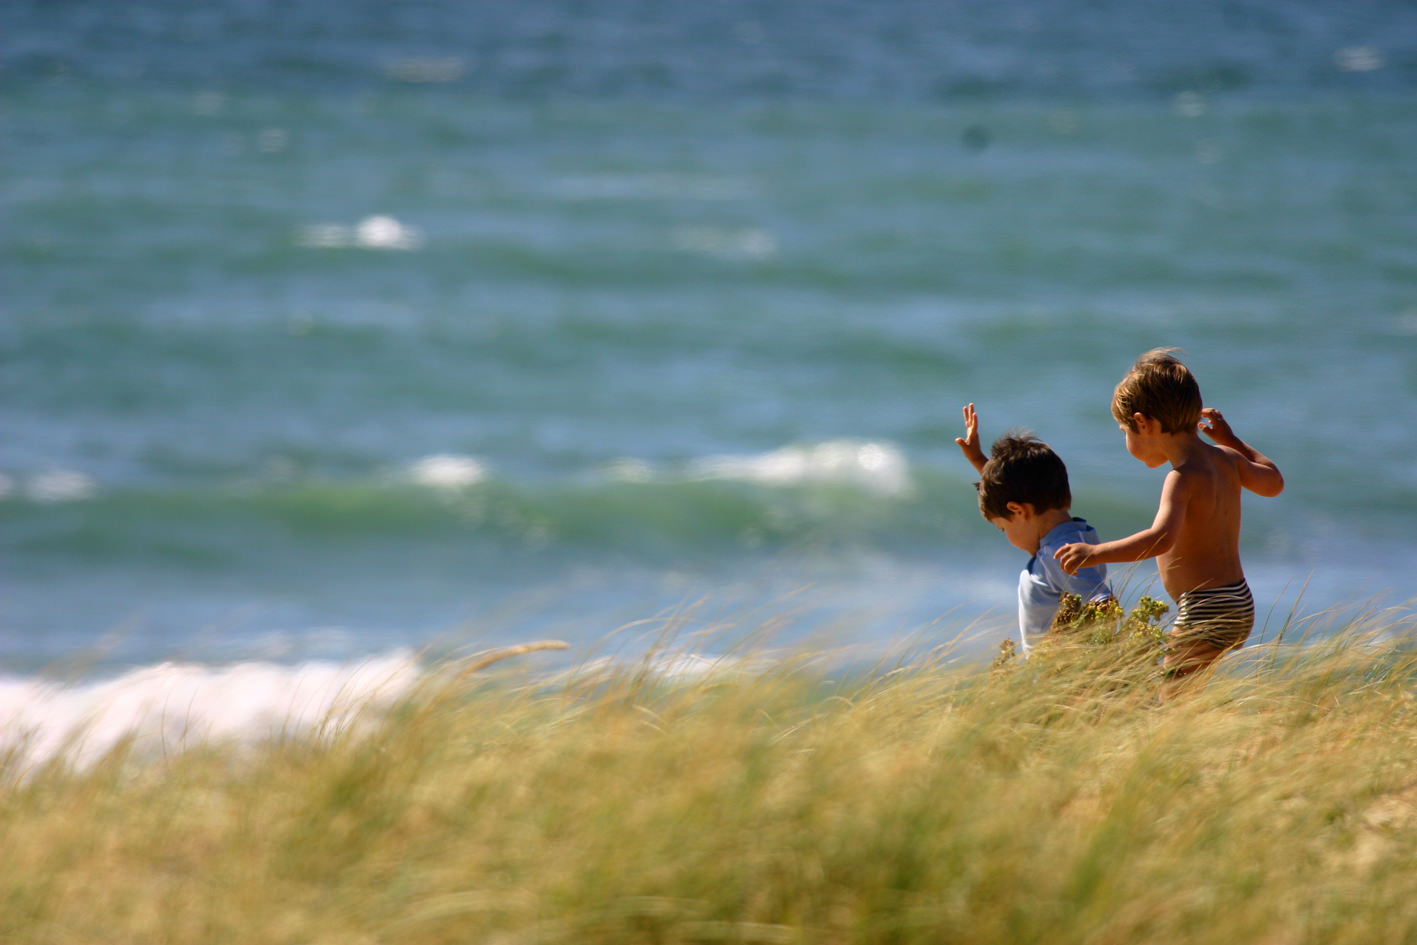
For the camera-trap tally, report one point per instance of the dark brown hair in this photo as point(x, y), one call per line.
point(1021, 468)
point(1160, 387)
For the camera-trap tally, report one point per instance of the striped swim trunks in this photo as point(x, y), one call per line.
point(1221, 617)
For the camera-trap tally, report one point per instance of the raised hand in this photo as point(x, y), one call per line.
point(1214, 426)
point(969, 443)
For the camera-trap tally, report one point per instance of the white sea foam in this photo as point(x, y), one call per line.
point(169, 707)
point(59, 485)
point(878, 467)
point(381, 232)
point(378, 232)
point(447, 471)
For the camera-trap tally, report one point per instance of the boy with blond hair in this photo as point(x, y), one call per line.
point(1195, 537)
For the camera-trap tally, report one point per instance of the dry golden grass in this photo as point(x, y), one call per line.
point(1051, 801)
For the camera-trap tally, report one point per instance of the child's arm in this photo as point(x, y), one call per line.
point(969, 443)
point(1258, 473)
point(1147, 543)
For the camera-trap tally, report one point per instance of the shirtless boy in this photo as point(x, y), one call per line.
point(1195, 538)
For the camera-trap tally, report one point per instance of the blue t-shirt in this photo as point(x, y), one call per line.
point(1043, 583)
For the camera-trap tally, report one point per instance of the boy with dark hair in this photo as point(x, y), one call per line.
point(1023, 492)
point(1195, 537)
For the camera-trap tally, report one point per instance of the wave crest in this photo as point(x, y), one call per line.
point(447, 471)
point(877, 467)
point(171, 706)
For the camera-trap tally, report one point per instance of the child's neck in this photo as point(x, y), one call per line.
point(1051, 519)
point(1179, 448)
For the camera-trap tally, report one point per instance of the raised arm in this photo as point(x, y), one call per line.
point(1258, 473)
point(969, 443)
point(1147, 543)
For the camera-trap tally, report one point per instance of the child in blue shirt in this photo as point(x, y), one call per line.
point(1023, 492)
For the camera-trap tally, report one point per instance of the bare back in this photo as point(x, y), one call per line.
point(1206, 492)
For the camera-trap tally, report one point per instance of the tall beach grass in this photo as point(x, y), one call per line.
point(796, 800)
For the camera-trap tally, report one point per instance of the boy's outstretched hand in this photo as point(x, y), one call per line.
point(1074, 556)
point(969, 443)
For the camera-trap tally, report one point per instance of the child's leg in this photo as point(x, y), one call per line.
point(1186, 657)
point(1185, 664)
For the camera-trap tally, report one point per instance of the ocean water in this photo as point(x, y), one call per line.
point(342, 331)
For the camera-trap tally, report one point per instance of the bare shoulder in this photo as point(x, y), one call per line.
point(1209, 472)
point(1225, 456)
point(1184, 482)
point(1253, 472)
point(1209, 461)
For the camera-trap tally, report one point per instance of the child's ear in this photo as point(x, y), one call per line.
point(1020, 508)
point(1141, 422)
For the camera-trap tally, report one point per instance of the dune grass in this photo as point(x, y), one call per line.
point(1056, 800)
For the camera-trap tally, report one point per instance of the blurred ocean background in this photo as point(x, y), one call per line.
point(334, 330)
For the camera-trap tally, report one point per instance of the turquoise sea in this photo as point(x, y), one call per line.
point(335, 330)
